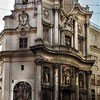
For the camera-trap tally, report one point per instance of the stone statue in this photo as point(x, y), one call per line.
point(66, 76)
point(46, 75)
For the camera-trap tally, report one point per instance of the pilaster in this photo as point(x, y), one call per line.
point(6, 81)
point(89, 85)
point(56, 24)
point(76, 35)
point(51, 35)
point(87, 37)
point(38, 79)
point(39, 20)
point(77, 84)
point(72, 41)
point(56, 81)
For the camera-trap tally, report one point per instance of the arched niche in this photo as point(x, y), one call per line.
point(22, 91)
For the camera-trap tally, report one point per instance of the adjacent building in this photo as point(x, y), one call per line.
point(95, 54)
point(48, 52)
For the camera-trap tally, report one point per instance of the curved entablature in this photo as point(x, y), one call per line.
point(59, 53)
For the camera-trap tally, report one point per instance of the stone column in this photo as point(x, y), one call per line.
point(76, 36)
point(77, 85)
point(89, 85)
point(72, 41)
point(56, 28)
point(39, 20)
point(87, 38)
point(6, 81)
point(56, 82)
point(38, 79)
point(51, 35)
point(84, 41)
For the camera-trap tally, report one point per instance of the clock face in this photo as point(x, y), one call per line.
point(68, 5)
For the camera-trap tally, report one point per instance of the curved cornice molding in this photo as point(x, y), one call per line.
point(81, 10)
point(58, 51)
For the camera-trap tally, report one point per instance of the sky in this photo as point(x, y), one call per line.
point(95, 7)
point(7, 5)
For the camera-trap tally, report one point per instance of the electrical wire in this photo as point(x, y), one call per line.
point(5, 9)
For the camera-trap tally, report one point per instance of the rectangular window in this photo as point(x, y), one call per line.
point(22, 67)
point(80, 44)
point(22, 42)
point(94, 37)
point(46, 33)
point(93, 79)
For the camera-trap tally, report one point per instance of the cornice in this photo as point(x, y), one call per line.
point(16, 53)
point(16, 31)
point(47, 5)
point(94, 48)
point(60, 50)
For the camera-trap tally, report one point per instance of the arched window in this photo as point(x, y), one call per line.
point(22, 91)
point(81, 81)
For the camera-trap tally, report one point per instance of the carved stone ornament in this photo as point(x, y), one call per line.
point(68, 6)
point(67, 21)
point(46, 14)
point(89, 72)
point(23, 18)
point(39, 61)
point(23, 32)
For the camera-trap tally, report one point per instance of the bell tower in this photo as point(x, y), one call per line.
point(19, 4)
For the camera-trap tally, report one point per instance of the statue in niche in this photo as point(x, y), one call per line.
point(81, 81)
point(66, 76)
point(46, 75)
point(22, 91)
